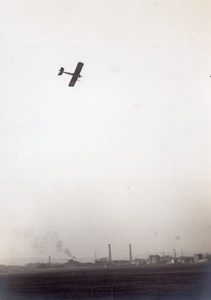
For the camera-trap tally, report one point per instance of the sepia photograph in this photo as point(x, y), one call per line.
point(105, 149)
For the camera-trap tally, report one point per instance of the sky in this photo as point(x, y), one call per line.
point(124, 156)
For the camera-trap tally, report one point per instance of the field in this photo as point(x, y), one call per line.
point(180, 282)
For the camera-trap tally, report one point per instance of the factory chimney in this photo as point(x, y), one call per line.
point(175, 256)
point(130, 252)
point(49, 260)
point(109, 252)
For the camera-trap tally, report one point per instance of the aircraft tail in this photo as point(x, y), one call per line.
point(61, 71)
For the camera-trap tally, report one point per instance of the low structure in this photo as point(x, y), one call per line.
point(198, 258)
point(167, 259)
point(185, 260)
point(207, 258)
point(154, 259)
point(139, 262)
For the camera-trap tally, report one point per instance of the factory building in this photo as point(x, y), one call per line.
point(198, 258)
point(154, 259)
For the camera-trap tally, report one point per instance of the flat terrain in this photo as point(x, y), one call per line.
point(147, 282)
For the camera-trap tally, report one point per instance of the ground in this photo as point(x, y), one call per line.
point(180, 282)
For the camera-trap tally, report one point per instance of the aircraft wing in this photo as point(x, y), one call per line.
point(76, 74)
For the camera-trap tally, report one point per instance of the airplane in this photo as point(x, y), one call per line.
point(75, 75)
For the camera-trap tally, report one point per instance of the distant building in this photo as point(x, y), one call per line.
point(86, 264)
point(72, 263)
point(114, 263)
point(198, 258)
point(207, 258)
point(167, 259)
point(154, 259)
point(104, 261)
point(3, 269)
point(185, 260)
point(121, 262)
point(139, 261)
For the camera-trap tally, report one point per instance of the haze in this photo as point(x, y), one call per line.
point(124, 156)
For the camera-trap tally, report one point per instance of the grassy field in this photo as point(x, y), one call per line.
point(180, 282)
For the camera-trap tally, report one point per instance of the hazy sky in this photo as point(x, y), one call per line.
point(124, 156)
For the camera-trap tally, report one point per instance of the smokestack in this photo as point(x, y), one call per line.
point(49, 260)
point(175, 255)
point(130, 252)
point(109, 252)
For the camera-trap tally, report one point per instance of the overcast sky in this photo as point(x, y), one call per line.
point(124, 156)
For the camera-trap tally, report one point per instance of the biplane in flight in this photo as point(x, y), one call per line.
point(75, 75)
